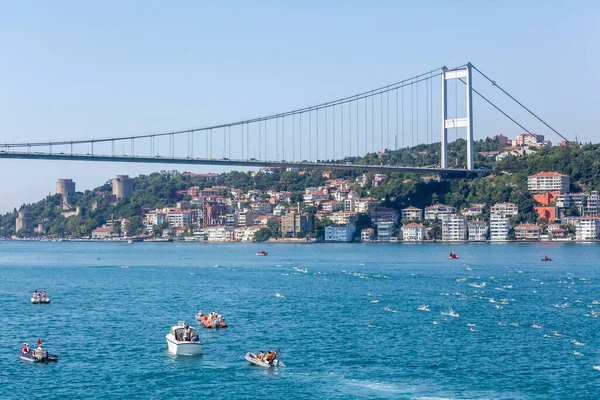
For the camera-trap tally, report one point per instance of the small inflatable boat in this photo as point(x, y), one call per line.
point(38, 356)
point(251, 358)
point(40, 300)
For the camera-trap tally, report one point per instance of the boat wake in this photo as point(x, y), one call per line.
point(278, 295)
point(390, 310)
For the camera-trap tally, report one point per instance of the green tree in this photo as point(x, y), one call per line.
point(134, 226)
point(262, 235)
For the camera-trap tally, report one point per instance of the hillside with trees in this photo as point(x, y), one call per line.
point(503, 181)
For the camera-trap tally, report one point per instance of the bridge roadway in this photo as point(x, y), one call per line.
point(446, 173)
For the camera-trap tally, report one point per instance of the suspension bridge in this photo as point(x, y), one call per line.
point(330, 135)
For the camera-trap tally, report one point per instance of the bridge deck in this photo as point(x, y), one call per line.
point(448, 172)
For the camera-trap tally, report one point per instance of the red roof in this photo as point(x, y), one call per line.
point(548, 174)
point(527, 226)
point(415, 225)
point(412, 208)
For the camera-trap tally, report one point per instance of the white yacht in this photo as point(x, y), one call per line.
point(184, 340)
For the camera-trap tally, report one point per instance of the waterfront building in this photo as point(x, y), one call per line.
point(385, 231)
point(219, 234)
point(478, 231)
point(412, 213)
point(505, 209)
point(548, 182)
point(102, 233)
point(340, 233)
point(122, 187)
point(437, 211)
point(246, 233)
point(293, 223)
point(382, 214)
point(499, 227)
point(367, 235)
point(587, 228)
point(413, 232)
point(558, 234)
point(527, 232)
point(454, 228)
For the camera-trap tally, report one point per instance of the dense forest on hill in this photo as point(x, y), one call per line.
point(505, 180)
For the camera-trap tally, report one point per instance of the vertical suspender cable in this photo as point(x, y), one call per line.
point(387, 117)
point(342, 128)
point(309, 135)
point(397, 112)
point(333, 121)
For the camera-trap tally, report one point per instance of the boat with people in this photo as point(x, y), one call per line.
point(453, 256)
point(262, 253)
point(212, 320)
point(184, 340)
point(36, 355)
point(40, 297)
point(546, 258)
point(269, 360)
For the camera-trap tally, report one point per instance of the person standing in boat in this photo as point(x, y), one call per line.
point(25, 348)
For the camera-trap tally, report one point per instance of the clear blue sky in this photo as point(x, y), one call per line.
point(74, 69)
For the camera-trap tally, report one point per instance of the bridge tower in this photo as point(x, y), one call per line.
point(466, 122)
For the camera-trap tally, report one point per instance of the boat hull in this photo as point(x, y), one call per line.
point(40, 301)
point(183, 348)
point(34, 359)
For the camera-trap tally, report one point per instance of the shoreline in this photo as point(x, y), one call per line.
point(295, 241)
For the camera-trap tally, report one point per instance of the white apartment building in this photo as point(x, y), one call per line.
point(587, 228)
point(365, 205)
point(332, 206)
point(413, 232)
point(412, 213)
point(385, 231)
point(505, 209)
point(367, 235)
point(499, 227)
point(178, 218)
point(454, 228)
point(473, 210)
point(548, 182)
point(261, 207)
point(478, 231)
point(437, 211)
point(340, 233)
point(343, 217)
point(246, 234)
point(350, 201)
point(566, 200)
point(219, 234)
point(315, 198)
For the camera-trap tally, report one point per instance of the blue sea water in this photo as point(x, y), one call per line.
point(345, 318)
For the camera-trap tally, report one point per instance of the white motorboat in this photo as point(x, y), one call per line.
point(184, 340)
point(251, 358)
